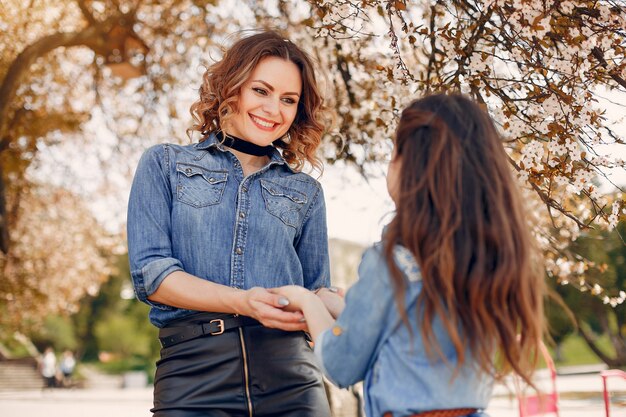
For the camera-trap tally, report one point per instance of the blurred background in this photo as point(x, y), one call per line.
point(87, 86)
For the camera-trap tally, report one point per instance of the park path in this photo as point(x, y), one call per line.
point(581, 396)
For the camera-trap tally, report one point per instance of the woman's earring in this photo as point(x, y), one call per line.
point(286, 138)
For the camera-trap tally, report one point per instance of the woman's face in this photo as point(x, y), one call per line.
point(393, 177)
point(268, 102)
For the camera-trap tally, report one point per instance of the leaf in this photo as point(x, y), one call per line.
point(399, 5)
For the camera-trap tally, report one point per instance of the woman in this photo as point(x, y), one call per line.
point(212, 224)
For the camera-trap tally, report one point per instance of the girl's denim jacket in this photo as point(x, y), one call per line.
point(192, 209)
point(370, 342)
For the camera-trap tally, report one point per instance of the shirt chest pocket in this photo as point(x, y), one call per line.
point(283, 202)
point(199, 187)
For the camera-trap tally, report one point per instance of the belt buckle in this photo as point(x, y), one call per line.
point(220, 325)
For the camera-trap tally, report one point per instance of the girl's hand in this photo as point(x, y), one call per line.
point(295, 294)
point(333, 300)
point(269, 309)
point(317, 316)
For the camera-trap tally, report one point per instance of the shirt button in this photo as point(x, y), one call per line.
point(238, 251)
point(242, 214)
point(245, 189)
point(211, 180)
point(188, 171)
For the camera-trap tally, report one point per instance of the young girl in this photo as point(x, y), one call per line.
point(453, 283)
point(212, 224)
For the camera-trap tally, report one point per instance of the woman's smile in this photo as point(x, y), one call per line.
point(263, 124)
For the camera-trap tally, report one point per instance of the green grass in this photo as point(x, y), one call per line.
point(575, 351)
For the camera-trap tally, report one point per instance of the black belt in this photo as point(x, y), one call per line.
point(169, 336)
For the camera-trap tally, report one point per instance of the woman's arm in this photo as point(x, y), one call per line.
point(184, 290)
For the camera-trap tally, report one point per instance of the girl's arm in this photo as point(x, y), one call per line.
point(317, 317)
point(333, 299)
point(347, 348)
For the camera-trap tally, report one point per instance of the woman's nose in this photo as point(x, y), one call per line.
point(270, 106)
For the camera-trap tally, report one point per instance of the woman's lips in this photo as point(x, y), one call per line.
point(263, 124)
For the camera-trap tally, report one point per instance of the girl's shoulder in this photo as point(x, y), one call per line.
point(403, 258)
point(406, 262)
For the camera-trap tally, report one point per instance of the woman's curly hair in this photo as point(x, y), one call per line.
point(221, 86)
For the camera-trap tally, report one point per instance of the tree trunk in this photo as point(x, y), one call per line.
point(558, 353)
point(93, 36)
point(4, 230)
point(611, 362)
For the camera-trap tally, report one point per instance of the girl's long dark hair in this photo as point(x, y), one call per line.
point(460, 213)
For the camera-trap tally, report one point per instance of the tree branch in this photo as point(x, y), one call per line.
point(82, 5)
point(93, 36)
point(592, 345)
point(27, 57)
point(433, 47)
point(549, 201)
point(599, 55)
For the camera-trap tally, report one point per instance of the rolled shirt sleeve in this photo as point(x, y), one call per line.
point(149, 225)
point(348, 349)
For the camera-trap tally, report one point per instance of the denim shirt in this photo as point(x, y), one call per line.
point(370, 343)
point(192, 209)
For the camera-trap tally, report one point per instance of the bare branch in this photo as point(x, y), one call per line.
point(550, 201)
point(599, 55)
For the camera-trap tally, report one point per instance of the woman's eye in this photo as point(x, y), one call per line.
point(289, 100)
point(259, 90)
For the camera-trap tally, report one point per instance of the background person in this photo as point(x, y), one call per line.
point(48, 368)
point(67, 365)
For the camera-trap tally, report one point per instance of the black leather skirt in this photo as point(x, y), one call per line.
point(244, 372)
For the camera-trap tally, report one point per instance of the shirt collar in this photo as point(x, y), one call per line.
point(212, 141)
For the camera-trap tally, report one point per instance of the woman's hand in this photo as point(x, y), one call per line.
point(270, 310)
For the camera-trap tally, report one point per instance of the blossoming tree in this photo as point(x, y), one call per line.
point(541, 68)
point(121, 76)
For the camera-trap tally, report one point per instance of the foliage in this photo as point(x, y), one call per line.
point(59, 252)
point(117, 335)
point(593, 311)
point(539, 67)
point(115, 322)
point(575, 351)
point(58, 332)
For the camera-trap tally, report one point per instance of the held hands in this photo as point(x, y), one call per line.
point(295, 294)
point(333, 300)
point(298, 296)
point(272, 309)
point(315, 309)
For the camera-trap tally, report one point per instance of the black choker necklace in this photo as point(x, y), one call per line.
point(247, 147)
